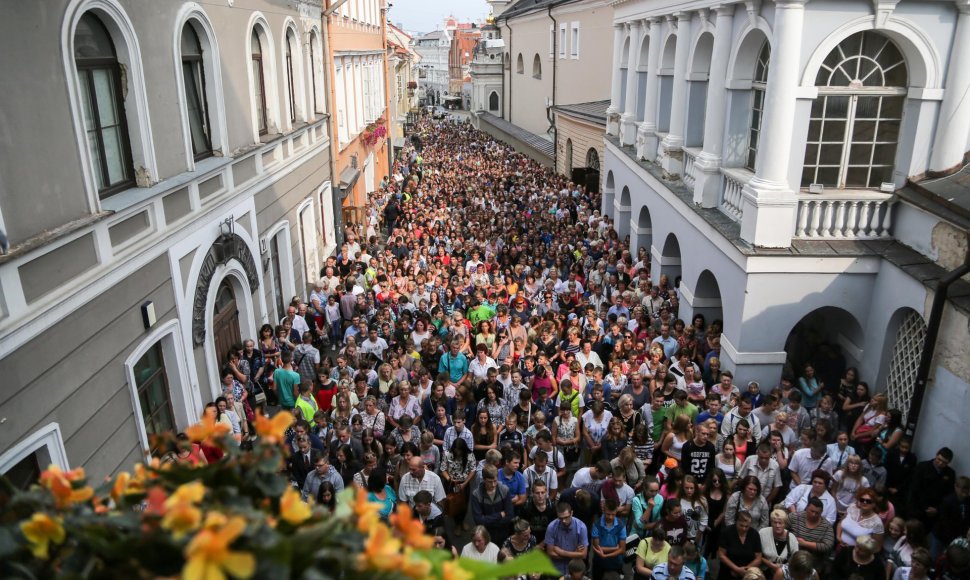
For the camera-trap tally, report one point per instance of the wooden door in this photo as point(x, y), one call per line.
point(225, 321)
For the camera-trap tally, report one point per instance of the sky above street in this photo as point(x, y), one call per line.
point(428, 15)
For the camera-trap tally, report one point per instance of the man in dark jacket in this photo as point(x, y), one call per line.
point(492, 506)
point(932, 481)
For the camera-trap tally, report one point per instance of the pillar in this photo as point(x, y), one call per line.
point(949, 144)
point(672, 144)
point(647, 139)
point(613, 111)
point(628, 124)
point(707, 175)
point(768, 201)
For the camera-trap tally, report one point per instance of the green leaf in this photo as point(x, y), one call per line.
point(534, 562)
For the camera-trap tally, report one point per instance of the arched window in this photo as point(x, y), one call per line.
point(493, 101)
point(290, 54)
point(592, 159)
point(103, 106)
point(758, 85)
point(536, 67)
point(196, 103)
point(520, 65)
point(855, 120)
point(259, 84)
point(316, 75)
point(568, 161)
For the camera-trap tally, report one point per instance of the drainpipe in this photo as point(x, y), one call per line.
point(550, 116)
point(335, 194)
point(511, 54)
point(929, 346)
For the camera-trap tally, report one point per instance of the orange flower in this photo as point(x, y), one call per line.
point(155, 499)
point(208, 556)
point(124, 484)
point(271, 430)
point(410, 529)
point(367, 512)
point(40, 530)
point(207, 429)
point(382, 551)
point(292, 508)
point(452, 570)
point(61, 486)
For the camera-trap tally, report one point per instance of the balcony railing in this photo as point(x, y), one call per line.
point(690, 157)
point(844, 215)
point(734, 180)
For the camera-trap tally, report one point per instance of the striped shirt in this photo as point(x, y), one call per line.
point(823, 534)
point(660, 573)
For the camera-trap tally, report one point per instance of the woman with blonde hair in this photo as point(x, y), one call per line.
point(777, 543)
point(679, 434)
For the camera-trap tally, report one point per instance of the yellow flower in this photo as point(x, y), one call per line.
point(182, 518)
point(61, 486)
point(452, 570)
point(40, 531)
point(367, 512)
point(410, 529)
point(382, 551)
point(208, 429)
point(208, 556)
point(292, 508)
point(271, 430)
point(415, 566)
point(187, 493)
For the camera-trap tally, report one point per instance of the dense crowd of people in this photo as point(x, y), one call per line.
point(487, 350)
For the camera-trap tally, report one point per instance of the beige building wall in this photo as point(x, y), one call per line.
point(582, 136)
point(583, 71)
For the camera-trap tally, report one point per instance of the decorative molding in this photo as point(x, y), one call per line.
point(47, 436)
point(753, 7)
point(225, 248)
point(751, 358)
point(883, 9)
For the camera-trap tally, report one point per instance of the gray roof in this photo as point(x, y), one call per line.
point(526, 6)
point(433, 35)
point(594, 111)
point(540, 144)
point(947, 197)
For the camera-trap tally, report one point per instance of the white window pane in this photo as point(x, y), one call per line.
point(105, 95)
point(113, 154)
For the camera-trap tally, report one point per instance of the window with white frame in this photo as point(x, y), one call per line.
point(574, 40)
point(23, 463)
point(316, 72)
point(758, 86)
point(552, 40)
point(103, 105)
point(853, 130)
point(562, 40)
point(259, 83)
point(196, 102)
point(154, 395)
point(368, 104)
point(340, 90)
point(291, 61)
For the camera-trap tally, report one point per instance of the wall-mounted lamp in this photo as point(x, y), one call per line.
point(226, 226)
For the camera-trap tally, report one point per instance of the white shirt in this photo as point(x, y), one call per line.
point(376, 347)
point(299, 324)
point(798, 497)
point(489, 555)
point(583, 358)
point(803, 464)
point(480, 369)
point(583, 479)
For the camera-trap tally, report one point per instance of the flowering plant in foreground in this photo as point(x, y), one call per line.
point(237, 518)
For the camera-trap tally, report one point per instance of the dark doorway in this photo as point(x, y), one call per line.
point(225, 320)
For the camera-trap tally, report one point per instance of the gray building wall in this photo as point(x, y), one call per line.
point(74, 374)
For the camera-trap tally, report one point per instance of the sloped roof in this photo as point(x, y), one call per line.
point(594, 111)
point(526, 6)
point(544, 146)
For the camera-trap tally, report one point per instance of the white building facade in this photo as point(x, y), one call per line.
point(760, 151)
point(433, 48)
point(486, 71)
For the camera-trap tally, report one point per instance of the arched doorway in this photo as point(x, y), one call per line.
point(623, 214)
point(644, 233)
point(225, 320)
point(828, 337)
point(670, 260)
point(609, 194)
point(909, 330)
point(592, 171)
point(707, 299)
point(568, 158)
